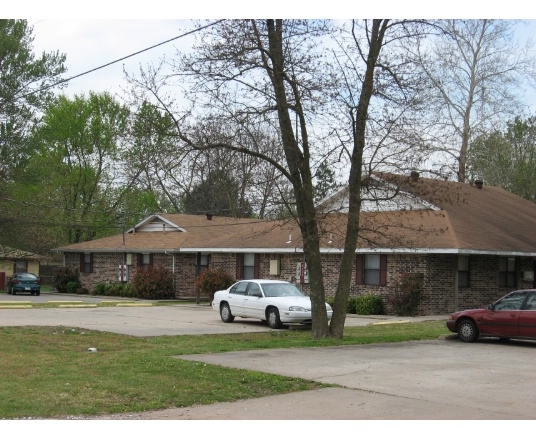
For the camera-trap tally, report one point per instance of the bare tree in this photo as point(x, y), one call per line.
point(283, 76)
point(475, 70)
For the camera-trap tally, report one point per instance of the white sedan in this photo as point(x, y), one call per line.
point(276, 302)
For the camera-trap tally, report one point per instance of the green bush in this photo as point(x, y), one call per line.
point(63, 276)
point(368, 304)
point(408, 295)
point(101, 290)
point(114, 289)
point(73, 286)
point(212, 280)
point(82, 291)
point(153, 282)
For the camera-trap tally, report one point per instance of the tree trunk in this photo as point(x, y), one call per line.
point(301, 179)
point(354, 182)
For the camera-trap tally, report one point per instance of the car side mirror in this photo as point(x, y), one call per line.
point(491, 307)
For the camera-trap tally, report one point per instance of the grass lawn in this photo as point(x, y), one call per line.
point(48, 371)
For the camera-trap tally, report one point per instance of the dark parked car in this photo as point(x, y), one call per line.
point(24, 282)
point(512, 316)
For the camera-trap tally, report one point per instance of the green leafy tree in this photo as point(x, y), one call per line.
point(325, 181)
point(507, 159)
point(25, 89)
point(78, 146)
point(218, 194)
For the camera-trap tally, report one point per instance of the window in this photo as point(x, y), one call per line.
point(239, 288)
point(511, 302)
point(86, 262)
point(531, 302)
point(203, 261)
point(21, 266)
point(247, 266)
point(254, 289)
point(145, 260)
point(507, 272)
point(371, 270)
point(463, 271)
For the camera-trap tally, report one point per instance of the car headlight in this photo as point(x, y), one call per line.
point(297, 309)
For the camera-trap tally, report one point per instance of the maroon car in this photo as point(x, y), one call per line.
point(512, 316)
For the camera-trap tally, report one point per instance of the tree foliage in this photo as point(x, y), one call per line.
point(507, 159)
point(68, 188)
point(218, 194)
point(24, 90)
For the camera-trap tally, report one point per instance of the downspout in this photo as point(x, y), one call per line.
point(456, 288)
point(173, 271)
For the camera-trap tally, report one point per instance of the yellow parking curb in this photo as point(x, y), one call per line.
point(15, 302)
point(15, 306)
point(75, 301)
point(390, 322)
point(133, 304)
point(79, 306)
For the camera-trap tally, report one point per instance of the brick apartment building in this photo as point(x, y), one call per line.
point(472, 243)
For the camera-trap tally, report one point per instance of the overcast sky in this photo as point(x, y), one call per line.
point(100, 32)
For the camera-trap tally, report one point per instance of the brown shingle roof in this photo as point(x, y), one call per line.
point(469, 219)
point(17, 254)
point(487, 219)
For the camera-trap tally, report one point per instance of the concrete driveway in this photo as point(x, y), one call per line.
point(134, 317)
point(435, 380)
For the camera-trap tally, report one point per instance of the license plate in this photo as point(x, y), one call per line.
point(27, 288)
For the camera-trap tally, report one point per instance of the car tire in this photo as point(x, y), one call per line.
point(274, 321)
point(38, 293)
point(467, 331)
point(225, 313)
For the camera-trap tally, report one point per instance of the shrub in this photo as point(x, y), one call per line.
point(101, 290)
point(153, 282)
point(63, 276)
point(82, 291)
point(73, 286)
point(368, 304)
point(212, 280)
point(408, 295)
point(114, 289)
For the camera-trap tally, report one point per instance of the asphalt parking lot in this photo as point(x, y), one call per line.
point(430, 380)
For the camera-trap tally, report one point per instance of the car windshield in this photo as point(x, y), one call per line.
point(279, 289)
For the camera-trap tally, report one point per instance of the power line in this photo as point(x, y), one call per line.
point(118, 60)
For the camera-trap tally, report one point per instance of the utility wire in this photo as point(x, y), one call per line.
point(118, 60)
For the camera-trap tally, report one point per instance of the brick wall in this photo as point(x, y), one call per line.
point(438, 271)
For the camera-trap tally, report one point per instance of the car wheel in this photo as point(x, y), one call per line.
point(273, 318)
point(467, 331)
point(225, 313)
point(38, 293)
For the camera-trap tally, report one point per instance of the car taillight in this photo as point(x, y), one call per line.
point(16, 282)
point(38, 281)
